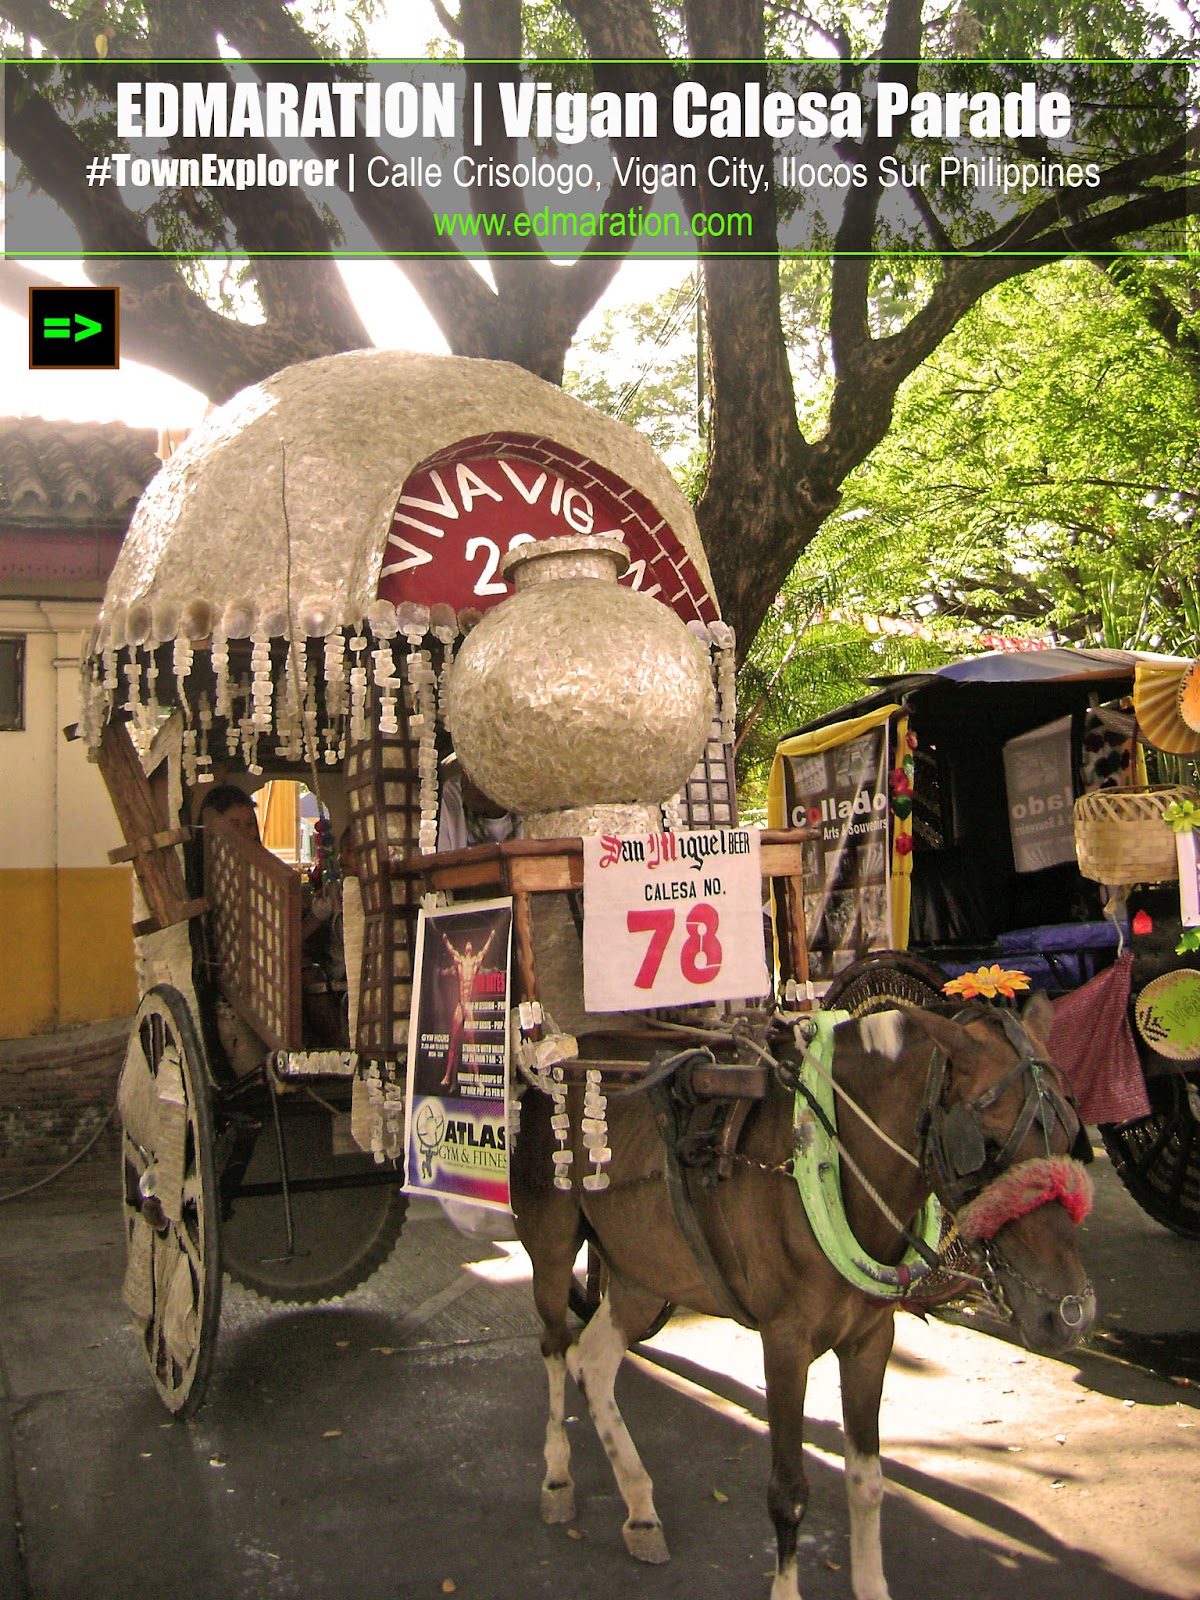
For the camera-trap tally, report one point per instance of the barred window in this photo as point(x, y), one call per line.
point(12, 684)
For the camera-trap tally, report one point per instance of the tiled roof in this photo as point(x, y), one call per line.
point(72, 474)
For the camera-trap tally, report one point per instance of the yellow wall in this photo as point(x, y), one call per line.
point(65, 913)
point(278, 805)
point(70, 948)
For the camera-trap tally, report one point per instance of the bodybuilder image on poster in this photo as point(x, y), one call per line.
point(456, 1134)
point(459, 1030)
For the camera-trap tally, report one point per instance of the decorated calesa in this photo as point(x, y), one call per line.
point(476, 619)
point(1030, 813)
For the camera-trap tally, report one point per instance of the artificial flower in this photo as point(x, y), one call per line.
point(1182, 815)
point(988, 982)
point(902, 844)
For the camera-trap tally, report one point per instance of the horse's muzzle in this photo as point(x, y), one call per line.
point(1048, 1321)
point(1057, 1328)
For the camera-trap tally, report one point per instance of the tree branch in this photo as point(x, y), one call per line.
point(849, 330)
point(398, 220)
point(451, 24)
point(1156, 306)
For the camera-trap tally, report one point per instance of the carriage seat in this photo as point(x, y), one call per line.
point(1056, 957)
point(956, 898)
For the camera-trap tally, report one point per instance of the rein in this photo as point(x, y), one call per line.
point(816, 1170)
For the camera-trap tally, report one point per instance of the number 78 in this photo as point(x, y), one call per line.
point(700, 953)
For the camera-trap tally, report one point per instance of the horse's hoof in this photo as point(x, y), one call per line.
point(645, 1542)
point(558, 1503)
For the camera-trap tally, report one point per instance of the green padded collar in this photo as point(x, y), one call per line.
point(817, 1170)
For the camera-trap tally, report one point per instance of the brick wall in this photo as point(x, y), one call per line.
point(55, 1091)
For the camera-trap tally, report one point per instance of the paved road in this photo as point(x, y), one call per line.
point(389, 1445)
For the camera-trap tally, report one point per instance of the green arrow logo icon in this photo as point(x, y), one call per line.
point(60, 328)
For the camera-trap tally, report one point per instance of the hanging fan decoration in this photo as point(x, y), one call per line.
point(1157, 700)
point(1189, 697)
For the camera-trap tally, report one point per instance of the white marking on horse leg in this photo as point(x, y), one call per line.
point(558, 1491)
point(864, 1491)
point(883, 1033)
point(786, 1585)
point(593, 1363)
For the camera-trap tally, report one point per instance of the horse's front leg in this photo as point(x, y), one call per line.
point(786, 1357)
point(862, 1365)
point(593, 1363)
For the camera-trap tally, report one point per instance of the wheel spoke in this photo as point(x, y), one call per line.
point(1158, 1158)
point(1148, 1159)
point(173, 1280)
point(1187, 1136)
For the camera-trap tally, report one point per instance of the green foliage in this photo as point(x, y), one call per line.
point(802, 666)
point(549, 34)
point(1042, 475)
point(1043, 470)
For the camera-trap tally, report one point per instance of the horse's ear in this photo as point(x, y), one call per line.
point(950, 1037)
point(1037, 1017)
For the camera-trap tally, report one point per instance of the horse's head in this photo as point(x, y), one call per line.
point(1000, 1138)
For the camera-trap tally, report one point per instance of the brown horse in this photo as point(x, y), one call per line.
point(982, 1113)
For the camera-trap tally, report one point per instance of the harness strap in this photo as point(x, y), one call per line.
point(679, 1188)
point(931, 1258)
point(816, 1170)
point(954, 1144)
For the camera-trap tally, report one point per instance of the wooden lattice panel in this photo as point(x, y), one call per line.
point(254, 932)
point(383, 790)
point(710, 794)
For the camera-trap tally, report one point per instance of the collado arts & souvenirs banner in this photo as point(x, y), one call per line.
point(843, 791)
point(456, 1138)
point(672, 919)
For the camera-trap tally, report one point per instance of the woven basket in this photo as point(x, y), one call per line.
point(1120, 836)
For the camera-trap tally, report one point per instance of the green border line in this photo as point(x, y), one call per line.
point(605, 61)
point(784, 253)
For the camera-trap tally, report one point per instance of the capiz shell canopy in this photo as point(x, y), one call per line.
point(275, 516)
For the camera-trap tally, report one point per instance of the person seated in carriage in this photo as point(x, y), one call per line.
point(323, 965)
point(466, 815)
point(226, 800)
point(323, 952)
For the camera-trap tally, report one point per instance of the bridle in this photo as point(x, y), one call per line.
point(958, 1158)
point(982, 1181)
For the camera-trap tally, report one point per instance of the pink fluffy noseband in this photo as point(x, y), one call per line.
point(1022, 1189)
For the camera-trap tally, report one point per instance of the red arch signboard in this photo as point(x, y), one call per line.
point(465, 508)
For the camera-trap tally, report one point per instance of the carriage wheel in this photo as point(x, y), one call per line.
point(341, 1235)
point(876, 983)
point(173, 1268)
point(1158, 1157)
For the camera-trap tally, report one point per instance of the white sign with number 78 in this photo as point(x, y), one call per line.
point(672, 919)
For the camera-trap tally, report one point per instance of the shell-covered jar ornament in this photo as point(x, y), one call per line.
point(576, 692)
